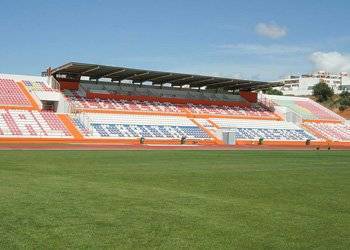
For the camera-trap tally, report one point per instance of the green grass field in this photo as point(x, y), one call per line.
point(175, 199)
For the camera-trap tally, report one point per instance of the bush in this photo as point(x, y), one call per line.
point(342, 108)
point(271, 91)
point(322, 91)
point(261, 141)
point(345, 101)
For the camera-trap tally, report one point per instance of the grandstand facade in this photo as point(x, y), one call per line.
point(87, 103)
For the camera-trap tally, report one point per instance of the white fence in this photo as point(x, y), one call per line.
point(53, 83)
point(263, 100)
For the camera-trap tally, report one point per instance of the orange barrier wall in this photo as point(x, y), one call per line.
point(283, 143)
point(17, 140)
point(323, 121)
point(17, 107)
point(68, 84)
point(249, 96)
point(182, 113)
point(340, 144)
point(129, 112)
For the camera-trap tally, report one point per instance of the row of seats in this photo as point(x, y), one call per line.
point(123, 105)
point(271, 130)
point(332, 131)
point(273, 134)
point(136, 126)
point(152, 126)
point(23, 123)
point(37, 86)
point(165, 107)
point(11, 94)
point(257, 111)
point(321, 112)
point(305, 107)
point(148, 131)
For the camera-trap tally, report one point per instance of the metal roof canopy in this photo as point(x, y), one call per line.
point(95, 71)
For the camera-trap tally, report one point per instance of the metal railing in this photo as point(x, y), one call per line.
point(85, 121)
point(266, 102)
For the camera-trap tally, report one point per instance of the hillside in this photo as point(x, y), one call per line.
point(345, 113)
point(334, 104)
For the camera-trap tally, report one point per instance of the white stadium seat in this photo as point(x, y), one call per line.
point(135, 126)
point(23, 123)
point(270, 130)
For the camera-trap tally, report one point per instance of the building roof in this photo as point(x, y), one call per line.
point(95, 71)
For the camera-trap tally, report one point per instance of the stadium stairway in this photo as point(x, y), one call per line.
point(211, 134)
point(213, 123)
point(71, 127)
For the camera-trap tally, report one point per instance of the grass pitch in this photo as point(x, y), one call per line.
point(174, 199)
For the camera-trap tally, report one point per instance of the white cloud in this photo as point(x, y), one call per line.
point(331, 61)
point(259, 49)
point(270, 30)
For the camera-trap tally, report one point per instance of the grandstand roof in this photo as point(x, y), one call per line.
point(95, 71)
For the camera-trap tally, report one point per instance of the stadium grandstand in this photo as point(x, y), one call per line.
point(90, 103)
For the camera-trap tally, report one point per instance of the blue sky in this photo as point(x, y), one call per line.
point(250, 39)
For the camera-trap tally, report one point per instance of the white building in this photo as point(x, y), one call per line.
point(301, 85)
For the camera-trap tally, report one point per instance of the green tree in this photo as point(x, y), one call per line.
point(345, 94)
point(344, 100)
point(322, 91)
